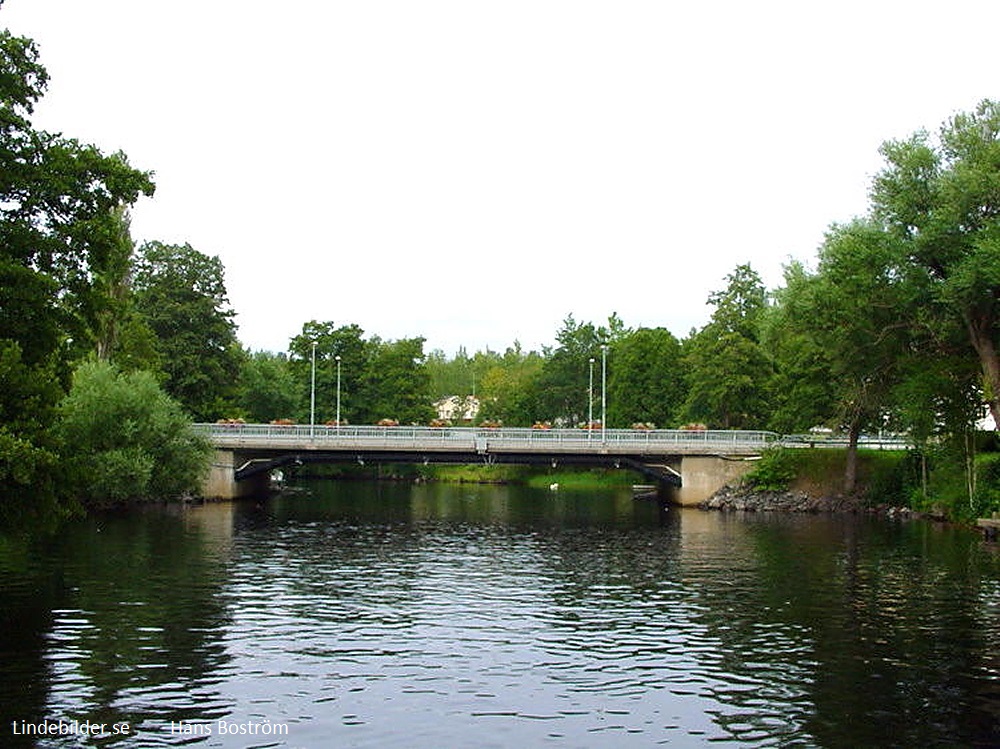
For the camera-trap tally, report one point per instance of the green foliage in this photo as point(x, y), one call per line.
point(267, 390)
point(890, 477)
point(775, 471)
point(728, 371)
point(986, 497)
point(347, 343)
point(942, 200)
point(61, 204)
point(459, 375)
point(960, 482)
point(181, 295)
point(474, 473)
point(803, 393)
point(125, 440)
point(378, 379)
point(508, 388)
point(563, 385)
point(647, 382)
point(396, 386)
point(28, 459)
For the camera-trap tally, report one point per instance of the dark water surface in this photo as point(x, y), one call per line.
point(377, 615)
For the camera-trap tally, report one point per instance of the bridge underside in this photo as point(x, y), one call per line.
point(686, 479)
point(655, 468)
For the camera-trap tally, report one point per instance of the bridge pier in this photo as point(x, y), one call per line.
point(703, 475)
point(221, 481)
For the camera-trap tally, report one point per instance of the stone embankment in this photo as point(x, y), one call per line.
point(738, 498)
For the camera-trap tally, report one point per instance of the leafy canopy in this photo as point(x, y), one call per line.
point(127, 440)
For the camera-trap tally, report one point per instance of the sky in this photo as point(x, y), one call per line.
point(473, 171)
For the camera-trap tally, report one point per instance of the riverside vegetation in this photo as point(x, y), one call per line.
point(895, 326)
point(889, 482)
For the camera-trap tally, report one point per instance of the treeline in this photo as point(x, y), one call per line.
point(892, 328)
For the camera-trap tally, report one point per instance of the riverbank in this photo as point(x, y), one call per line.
point(742, 498)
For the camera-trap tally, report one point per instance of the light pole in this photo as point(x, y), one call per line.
point(590, 401)
point(604, 390)
point(338, 393)
point(312, 394)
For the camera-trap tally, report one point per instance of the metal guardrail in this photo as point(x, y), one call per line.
point(894, 442)
point(480, 439)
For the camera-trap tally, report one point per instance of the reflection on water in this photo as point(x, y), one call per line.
point(388, 614)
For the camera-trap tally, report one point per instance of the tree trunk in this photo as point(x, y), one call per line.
point(851, 463)
point(982, 342)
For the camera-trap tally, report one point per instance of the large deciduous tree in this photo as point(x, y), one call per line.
point(331, 341)
point(840, 336)
point(181, 294)
point(563, 385)
point(647, 381)
point(942, 198)
point(378, 379)
point(396, 384)
point(729, 373)
point(59, 203)
point(268, 389)
point(508, 390)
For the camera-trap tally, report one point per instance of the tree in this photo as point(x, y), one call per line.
point(378, 379)
point(29, 463)
point(728, 372)
point(125, 440)
point(181, 295)
point(455, 376)
point(346, 342)
point(268, 389)
point(111, 291)
point(58, 203)
point(802, 386)
point(843, 334)
point(647, 381)
point(508, 387)
point(942, 199)
point(564, 382)
point(396, 384)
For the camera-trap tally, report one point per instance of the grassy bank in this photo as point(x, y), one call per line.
point(534, 476)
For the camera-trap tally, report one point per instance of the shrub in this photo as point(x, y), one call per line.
point(777, 468)
point(124, 439)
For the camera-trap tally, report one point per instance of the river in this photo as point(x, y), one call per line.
point(396, 615)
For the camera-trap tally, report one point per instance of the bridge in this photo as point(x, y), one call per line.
point(696, 463)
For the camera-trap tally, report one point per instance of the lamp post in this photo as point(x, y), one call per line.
point(590, 401)
point(604, 390)
point(312, 394)
point(338, 392)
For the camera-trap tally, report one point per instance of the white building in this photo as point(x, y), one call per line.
point(457, 408)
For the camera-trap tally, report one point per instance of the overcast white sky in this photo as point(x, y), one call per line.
point(472, 171)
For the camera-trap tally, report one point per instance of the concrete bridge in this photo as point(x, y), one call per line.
point(694, 463)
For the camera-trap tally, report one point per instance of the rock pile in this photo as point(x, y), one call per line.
point(740, 498)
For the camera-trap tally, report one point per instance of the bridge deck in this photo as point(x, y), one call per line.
point(651, 442)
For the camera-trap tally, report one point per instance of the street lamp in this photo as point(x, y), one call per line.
point(590, 401)
point(338, 392)
point(604, 390)
point(312, 394)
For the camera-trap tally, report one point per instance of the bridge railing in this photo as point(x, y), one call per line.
point(403, 437)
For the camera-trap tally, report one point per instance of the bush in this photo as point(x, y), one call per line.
point(777, 468)
point(124, 439)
